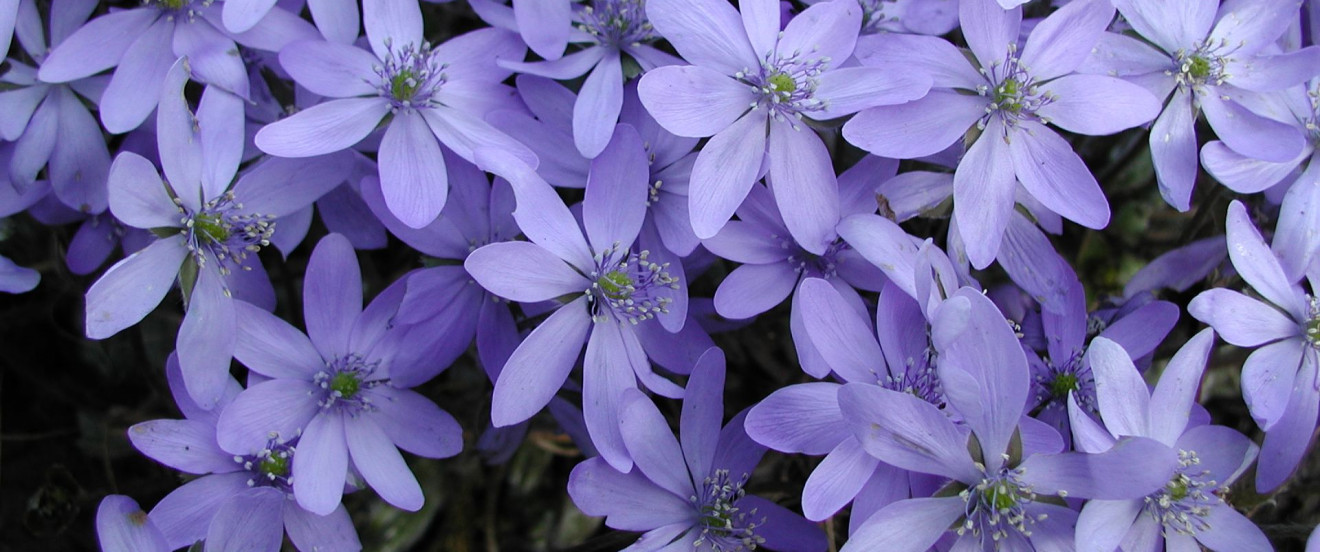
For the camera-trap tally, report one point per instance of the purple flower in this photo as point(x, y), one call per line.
point(613, 291)
point(142, 43)
point(688, 493)
point(122, 526)
point(609, 29)
point(1001, 472)
point(333, 389)
point(209, 228)
point(1214, 59)
point(746, 61)
point(49, 122)
point(1279, 378)
point(1190, 505)
point(436, 95)
point(545, 25)
point(241, 501)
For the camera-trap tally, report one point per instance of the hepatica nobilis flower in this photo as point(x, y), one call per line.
point(209, 228)
point(689, 493)
point(1003, 494)
point(1013, 95)
point(435, 94)
point(750, 89)
point(332, 389)
point(608, 288)
point(1279, 379)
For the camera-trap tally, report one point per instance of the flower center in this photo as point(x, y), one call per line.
point(1062, 384)
point(996, 506)
point(873, 16)
point(725, 526)
point(631, 288)
point(1204, 64)
point(1013, 93)
point(1071, 375)
point(617, 23)
point(269, 467)
point(411, 76)
point(343, 381)
point(825, 265)
point(223, 229)
point(786, 86)
point(1185, 501)
point(920, 379)
point(782, 83)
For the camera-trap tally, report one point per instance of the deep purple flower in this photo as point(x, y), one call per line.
point(1190, 505)
point(1279, 379)
point(435, 95)
point(749, 89)
point(142, 43)
point(333, 389)
point(1014, 96)
point(1214, 59)
point(688, 493)
point(608, 29)
point(613, 290)
point(209, 228)
point(1001, 473)
point(241, 501)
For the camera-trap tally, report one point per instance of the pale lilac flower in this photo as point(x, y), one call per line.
point(335, 390)
point(749, 89)
point(545, 25)
point(122, 526)
point(1279, 379)
point(1212, 58)
point(435, 95)
point(1014, 96)
point(1190, 509)
point(688, 493)
point(612, 288)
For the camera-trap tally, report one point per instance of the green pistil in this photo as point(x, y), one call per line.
point(210, 228)
point(346, 384)
point(173, 4)
point(615, 284)
point(1199, 67)
point(783, 83)
point(1313, 330)
point(1009, 96)
point(1177, 488)
point(1005, 497)
point(276, 464)
point(1062, 384)
point(403, 86)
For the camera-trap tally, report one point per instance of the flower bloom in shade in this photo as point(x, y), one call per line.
point(1279, 379)
point(1004, 472)
point(1189, 508)
point(1013, 96)
point(333, 389)
point(611, 28)
point(612, 291)
point(435, 95)
point(240, 501)
point(142, 43)
point(209, 227)
point(48, 122)
point(122, 526)
point(1213, 59)
point(749, 89)
point(689, 493)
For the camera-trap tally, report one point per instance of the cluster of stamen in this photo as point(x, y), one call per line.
point(825, 265)
point(1311, 328)
point(411, 76)
point(1183, 504)
point(343, 381)
point(629, 287)
point(725, 526)
point(919, 378)
point(617, 23)
point(1071, 375)
point(996, 507)
point(1013, 93)
point(653, 192)
point(1311, 122)
point(786, 85)
point(270, 467)
point(187, 9)
point(223, 229)
point(873, 16)
point(1203, 64)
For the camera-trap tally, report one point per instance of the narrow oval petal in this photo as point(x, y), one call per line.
point(843, 338)
point(122, 526)
point(884, 244)
point(1060, 42)
point(275, 409)
point(805, 188)
point(703, 411)
point(1241, 320)
point(836, 480)
point(1297, 233)
point(1257, 264)
point(544, 25)
point(1288, 439)
point(1248, 133)
point(1267, 380)
point(1103, 523)
point(708, 33)
point(1229, 530)
point(132, 288)
point(983, 187)
point(336, 19)
point(753, 289)
point(694, 101)
point(252, 520)
point(1048, 168)
point(632, 502)
point(330, 69)
point(412, 170)
point(825, 29)
point(322, 464)
point(322, 128)
point(989, 29)
point(1105, 476)
point(652, 445)
point(272, 347)
point(1170, 25)
point(725, 171)
point(539, 366)
point(802, 418)
point(416, 424)
point(617, 190)
point(917, 128)
point(607, 377)
point(524, 272)
point(907, 525)
point(1122, 393)
point(137, 196)
point(541, 214)
point(143, 67)
point(1173, 150)
point(381, 465)
point(185, 514)
point(97, 45)
point(392, 23)
point(1097, 105)
point(331, 533)
point(905, 431)
point(244, 14)
point(185, 445)
point(598, 104)
point(1171, 401)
